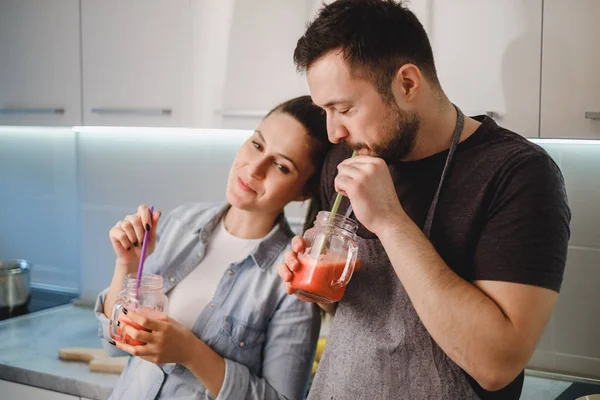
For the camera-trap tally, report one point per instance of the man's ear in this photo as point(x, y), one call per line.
point(407, 83)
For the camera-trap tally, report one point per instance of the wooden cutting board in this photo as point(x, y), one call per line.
point(96, 359)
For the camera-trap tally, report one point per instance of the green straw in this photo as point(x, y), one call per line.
point(338, 199)
point(336, 205)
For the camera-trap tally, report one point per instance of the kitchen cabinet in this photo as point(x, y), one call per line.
point(570, 103)
point(12, 390)
point(487, 56)
point(260, 66)
point(137, 62)
point(40, 72)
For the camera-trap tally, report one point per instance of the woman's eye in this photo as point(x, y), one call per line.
point(282, 168)
point(343, 111)
point(257, 145)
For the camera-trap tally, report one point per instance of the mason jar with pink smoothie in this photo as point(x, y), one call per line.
point(148, 300)
point(329, 260)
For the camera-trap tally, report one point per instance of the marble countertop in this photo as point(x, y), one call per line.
point(29, 351)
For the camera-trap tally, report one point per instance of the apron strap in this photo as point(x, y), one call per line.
point(460, 123)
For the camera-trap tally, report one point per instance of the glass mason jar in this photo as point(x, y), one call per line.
point(329, 259)
point(148, 300)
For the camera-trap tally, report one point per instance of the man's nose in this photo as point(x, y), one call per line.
point(336, 131)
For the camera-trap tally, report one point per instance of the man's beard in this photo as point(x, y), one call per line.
point(400, 134)
point(400, 129)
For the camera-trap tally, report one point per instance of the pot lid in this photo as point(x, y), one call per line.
point(13, 266)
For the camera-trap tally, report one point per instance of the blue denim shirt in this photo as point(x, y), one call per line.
point(267, 338)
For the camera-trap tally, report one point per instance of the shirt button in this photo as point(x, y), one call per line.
point(204, 236)
point(212, 306)
point(242, 344)
point(172, 279)
point(230, 272)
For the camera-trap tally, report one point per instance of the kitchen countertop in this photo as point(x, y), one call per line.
point(29, 351)
point(29, 355)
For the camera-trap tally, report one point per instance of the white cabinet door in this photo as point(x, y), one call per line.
point(487, 54)
point(137, 62)
point(571, 69)
point(40, 63)
point(260, 65)
point(12, 390)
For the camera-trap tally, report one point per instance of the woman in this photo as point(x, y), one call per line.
point(232, 331)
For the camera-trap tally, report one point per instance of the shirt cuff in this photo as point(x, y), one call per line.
point(104, 327)
point(103, 322)
point(236, 381)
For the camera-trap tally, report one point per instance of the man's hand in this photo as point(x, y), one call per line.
point(291, 265)
point(367, 182)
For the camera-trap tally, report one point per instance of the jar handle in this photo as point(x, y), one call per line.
point(115, 332)
point(348, 268)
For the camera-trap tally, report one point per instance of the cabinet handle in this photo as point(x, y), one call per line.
point(592, 115)
point(242, 113)
point(132, 111)
point(24, 110)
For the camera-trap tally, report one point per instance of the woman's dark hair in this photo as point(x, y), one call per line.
point(314, 120)
point(376, 38)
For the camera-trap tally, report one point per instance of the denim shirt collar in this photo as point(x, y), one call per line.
point(265, 253)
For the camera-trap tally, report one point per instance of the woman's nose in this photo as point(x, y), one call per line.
point(258, 168)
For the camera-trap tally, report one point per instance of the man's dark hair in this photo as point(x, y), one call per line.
point(376, 37)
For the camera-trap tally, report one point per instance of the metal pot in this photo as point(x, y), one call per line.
point(14, 283)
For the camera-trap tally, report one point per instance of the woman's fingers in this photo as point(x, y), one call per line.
point(127, 227)
point(119, 237)
point(138, 229)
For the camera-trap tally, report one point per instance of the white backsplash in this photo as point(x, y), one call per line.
point(38, 203)
point(62, 190)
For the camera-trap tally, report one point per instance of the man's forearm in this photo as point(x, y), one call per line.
point(468, 325)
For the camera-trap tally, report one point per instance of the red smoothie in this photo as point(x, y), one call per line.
point(148, 312)
point(317, 279)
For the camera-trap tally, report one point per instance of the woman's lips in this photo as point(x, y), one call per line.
point(244, 186)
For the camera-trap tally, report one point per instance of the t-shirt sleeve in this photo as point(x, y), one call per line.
point(526, 234)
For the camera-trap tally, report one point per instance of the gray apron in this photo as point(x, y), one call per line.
point(377, 347)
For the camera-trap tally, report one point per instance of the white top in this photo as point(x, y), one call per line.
point(195, 291)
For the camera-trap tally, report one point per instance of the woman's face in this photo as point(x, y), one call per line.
point(272, 167)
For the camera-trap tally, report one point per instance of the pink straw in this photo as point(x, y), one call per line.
point(143, 256)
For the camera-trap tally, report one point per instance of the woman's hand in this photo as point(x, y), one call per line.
point(166, 341)
point(127, 237)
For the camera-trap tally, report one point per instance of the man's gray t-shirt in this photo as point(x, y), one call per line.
point(502, 215)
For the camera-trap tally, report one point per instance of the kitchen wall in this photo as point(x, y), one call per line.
point(571, 342)
point(38, 203)
point(61, 191)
